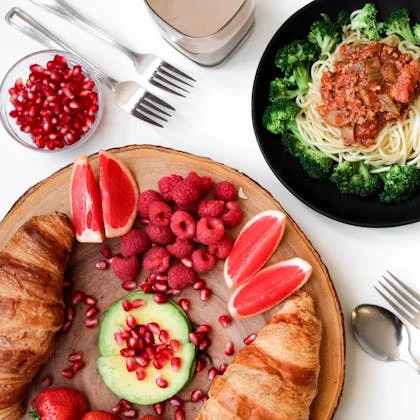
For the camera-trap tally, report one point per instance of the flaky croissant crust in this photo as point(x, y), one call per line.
point(32, 266)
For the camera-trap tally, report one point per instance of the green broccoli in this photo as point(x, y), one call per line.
point(400, 182)
point(281, 88)
point(278, 116)
point(365, 22)
point(343, 18)
point(326, 34)
point(291, 144)
point(354, 178)
point(416, 32)
point(294, 60)
point(398, 22)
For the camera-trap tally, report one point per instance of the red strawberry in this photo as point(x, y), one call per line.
point(60, 404)
point(126, 269)
point(100, 415)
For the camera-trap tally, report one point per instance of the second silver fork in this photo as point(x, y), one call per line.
point(130, 96)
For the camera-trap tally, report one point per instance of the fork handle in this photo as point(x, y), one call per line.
point(63, 9)
point(25, 23)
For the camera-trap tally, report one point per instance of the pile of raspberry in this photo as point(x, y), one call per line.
point(182, 233)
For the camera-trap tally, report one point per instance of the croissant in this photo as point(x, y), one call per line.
point(276, 376)
point(32, 266)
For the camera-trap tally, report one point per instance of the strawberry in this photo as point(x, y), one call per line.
point(100, 415)
point(60, 403)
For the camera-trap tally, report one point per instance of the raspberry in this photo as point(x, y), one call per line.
point(210, 208)
point(156, 259)
point(233, 216)
point(183, 225)
point(206, 184)
point(167, 183)
point(145, 199)
point(134, 242)
point(181, 248)
point(225, 191)
point(210, 230)
point(160, 213)
point(160, 234)
point(186, 191)
point(222, 249)
point(202, 261)
point(126, 269)
point(180, 276)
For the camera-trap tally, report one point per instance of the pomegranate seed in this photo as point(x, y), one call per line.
point(78, 366)
point(137, 303)
point(131, 321)
point(199, 284)
point(91, 312)
point(89, 300)
point(46, 381)
point(205, 294)
point(131, 364)
point(127, 352)
point(66, 327)
point(248, 340)
point(213, 372)
point(179, 414)
point(68, 373)
point(77, 298)
point(159, 408)
point(205, 398)
point(184, 304)
point(200, 365)
point(161, 277)
point(141, 361)
point(91, 323)
point(176, 402)
point(222, 368)
point(149, 339)
point(161, 382)
point(205, 329)
point(175, 345)
point(197, 395)
point(106, 252)
point(70, 312)
point(229, 349)
point(153, 327)
point(117, 408)
point(125, 334)
point(130, 414)
point(129, 285)
point(176, 364)
point(127, 405)
point(127, 305)
point(101, 265)
point(196, 338)
point(160, 286)
point(225, 321)
point(131, 343)
point(118, 338)
point(159, 298)
point(205, 344)
point(158, 364)
point(75, 357)
point(164, 336)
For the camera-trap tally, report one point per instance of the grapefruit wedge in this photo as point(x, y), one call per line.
point(254, 246)
point(269, 287)
point(119, 194)
point(85, 203)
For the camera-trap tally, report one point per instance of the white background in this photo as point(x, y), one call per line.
point(215, 121)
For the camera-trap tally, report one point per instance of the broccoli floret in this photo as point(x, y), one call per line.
point(416, 32)
point(400, 182)
point(354, 178)
point(343, 18)
point(282, 88)
point(294, 60)
point(278, 116)
point(291, 144)
point(365, 22)
point(326, 34)
point(398, 22)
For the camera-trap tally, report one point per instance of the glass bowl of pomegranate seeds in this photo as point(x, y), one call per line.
point(50, 101)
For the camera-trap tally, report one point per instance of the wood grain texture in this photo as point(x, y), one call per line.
point(148, 164)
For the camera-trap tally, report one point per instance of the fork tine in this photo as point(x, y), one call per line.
point(150, 105)
point(397, 309)
point(401, 302)
point(175, 70)
point(143, 117)
point(403, 294)
point(161, 86)
point(145, 110)
point(158, 76)
point(409, 289)
point(157, 100)
point(172, 76)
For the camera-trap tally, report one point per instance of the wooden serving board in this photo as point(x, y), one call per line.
point(148, 164)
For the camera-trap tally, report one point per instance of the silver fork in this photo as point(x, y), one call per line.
point(130, 96)
point(155, 70)
point(402, 298)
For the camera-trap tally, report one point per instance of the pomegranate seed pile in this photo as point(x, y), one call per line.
point(57, 105)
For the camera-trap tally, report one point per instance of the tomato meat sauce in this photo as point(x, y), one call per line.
point(371, 85)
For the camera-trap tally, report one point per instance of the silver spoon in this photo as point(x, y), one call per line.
point(382, 334)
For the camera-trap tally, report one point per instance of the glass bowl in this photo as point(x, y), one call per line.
point(21, 70)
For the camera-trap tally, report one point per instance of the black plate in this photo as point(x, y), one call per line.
point(322, 195)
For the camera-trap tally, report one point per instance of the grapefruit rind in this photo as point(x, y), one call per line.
point(95, 233)
point(233, 279)
point(111, 231)
point(304, 266)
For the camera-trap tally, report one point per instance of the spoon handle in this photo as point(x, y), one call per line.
point(413, 363)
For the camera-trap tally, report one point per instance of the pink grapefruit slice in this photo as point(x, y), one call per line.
point(269, 287)
point(254, 246)
point(85, 203)
point(119, 194)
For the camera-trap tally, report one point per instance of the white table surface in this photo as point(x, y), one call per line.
point(215, 121)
